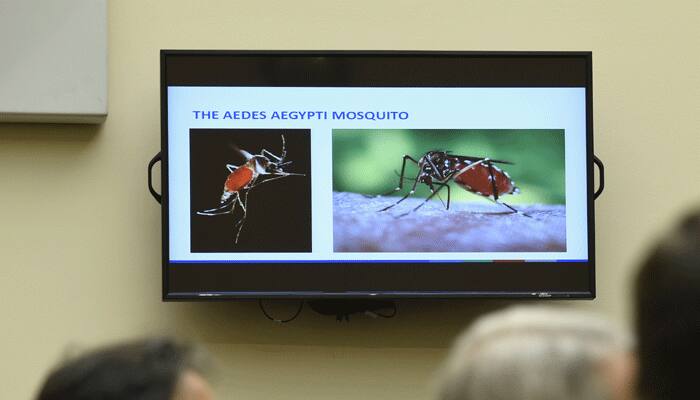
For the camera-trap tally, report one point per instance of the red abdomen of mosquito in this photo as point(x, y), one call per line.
point(478, 180)
point(236, 181)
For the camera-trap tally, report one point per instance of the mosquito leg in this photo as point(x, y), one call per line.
point(243, 203)
point(284, 148)
point(221, 210)
point(432, 190)
point(244, 206)
point(401, 177)
point(425, 201)
point(442, 201)
point(277, 158)
point(405, 177)
point(276, 176)
point(443, 184)
point(515, 210)
point(413, 190)
point(511, 208)
point(269, 154)
point(492, 178)
point(266, 180)
point(214, 211)
point(281, 173)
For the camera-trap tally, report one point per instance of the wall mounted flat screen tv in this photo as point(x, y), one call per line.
point(383, 174)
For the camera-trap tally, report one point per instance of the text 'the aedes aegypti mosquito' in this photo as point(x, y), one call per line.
point(258, 169)
point(474, 174)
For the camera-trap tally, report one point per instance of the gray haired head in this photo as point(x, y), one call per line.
point(532, 353)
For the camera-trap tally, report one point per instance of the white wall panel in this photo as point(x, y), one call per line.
point(53, 61)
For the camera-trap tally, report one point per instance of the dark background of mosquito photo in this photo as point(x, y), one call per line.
point(367, 163)
point(279, 212)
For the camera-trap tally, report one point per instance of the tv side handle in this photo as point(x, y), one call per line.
point(154, 160)
point(601, 177)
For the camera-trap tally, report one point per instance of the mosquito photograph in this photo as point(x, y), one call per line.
point(444, 190)
point(250, 190)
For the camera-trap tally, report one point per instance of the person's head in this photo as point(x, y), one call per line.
point(667, 297)
point(537, 353)
point(151, 369)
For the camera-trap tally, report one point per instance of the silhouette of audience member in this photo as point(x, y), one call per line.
point(539, 353)
point(151, 369)
point(667, 297)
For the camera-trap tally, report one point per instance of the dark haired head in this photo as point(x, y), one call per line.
point(668, 318)
point(140, 370)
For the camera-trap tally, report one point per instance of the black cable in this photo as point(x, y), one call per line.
point(281, 321)
point(392, 315)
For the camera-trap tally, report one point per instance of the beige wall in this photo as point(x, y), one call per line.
point(80, 235)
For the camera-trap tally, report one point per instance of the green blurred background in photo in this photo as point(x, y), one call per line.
point(365, 160)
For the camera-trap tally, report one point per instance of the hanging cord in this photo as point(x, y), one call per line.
point(281, 321)
point(375, 314)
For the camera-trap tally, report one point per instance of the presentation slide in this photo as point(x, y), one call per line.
point(323, 174)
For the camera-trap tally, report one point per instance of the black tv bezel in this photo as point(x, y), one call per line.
point(340, 267)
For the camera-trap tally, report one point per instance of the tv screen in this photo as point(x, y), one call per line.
point(356, 174)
